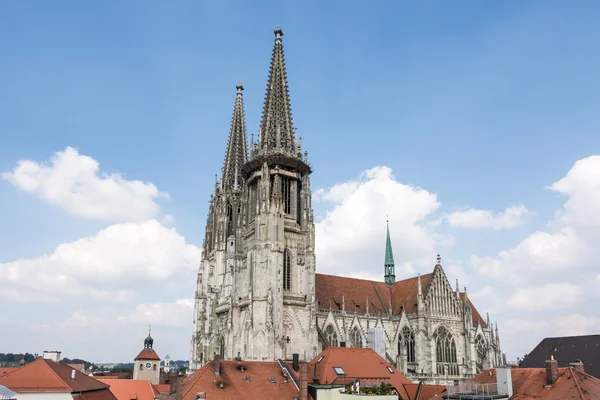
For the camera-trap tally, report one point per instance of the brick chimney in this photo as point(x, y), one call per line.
point(176, 386)
point(217, 365)
point(551, 371)
point(304, 381)
point(577, 366)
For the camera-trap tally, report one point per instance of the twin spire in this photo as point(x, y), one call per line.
point(276, 129)
point(236, 153)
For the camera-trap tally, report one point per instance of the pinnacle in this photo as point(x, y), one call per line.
point(236, 153)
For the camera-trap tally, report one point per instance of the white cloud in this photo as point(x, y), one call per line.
point(73, 182)
point(175, 314)
point(484, 219)
point(582, 185)
point(104, 266)
point(562, 325)
point(550, 296)
point(351, 236)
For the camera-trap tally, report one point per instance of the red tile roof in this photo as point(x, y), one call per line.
point(6, 370)
point(45, 375)
point(356, 362)
point(162, 388)
point(428, 392)
point(330, 289)
point(235, 387)
point(129, 389)
point(147, 354)
point(530, 383)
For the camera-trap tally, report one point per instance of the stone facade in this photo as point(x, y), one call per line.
point(258, 294)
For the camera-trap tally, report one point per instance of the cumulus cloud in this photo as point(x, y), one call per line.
point(551, 296)
point(175, 314)
point(74, 182)
point(351, 236)
point(563, 325)
point(97, 265)
point(485, 219)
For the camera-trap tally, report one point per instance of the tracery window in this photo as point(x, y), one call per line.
point(285, 194)
point(287, 270)
point(331, 335)
point(480, 348)
point(445, 352)
point(222, 347)
point(229, 220)
point(406, 344)
point(356, 337)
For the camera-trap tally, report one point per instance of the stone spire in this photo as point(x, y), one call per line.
point(390, 274)
point(236, 154)
point(276, 129)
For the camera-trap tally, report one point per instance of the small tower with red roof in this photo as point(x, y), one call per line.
point(146, 365)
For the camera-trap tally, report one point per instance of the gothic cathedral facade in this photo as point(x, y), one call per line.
point(258, 295)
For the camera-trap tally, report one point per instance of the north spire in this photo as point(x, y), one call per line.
point(390, 274)
point(236, 153)
point(276, 129)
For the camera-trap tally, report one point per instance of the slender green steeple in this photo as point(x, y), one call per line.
point(390, 274)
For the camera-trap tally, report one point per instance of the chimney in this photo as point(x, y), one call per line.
point(217, 364)
point(176, 386)
point(342, 344)
point(304, 381)
point(577, 366)
point(295, 359)
point(504, 381)
point(551, 371)
point(73, 374)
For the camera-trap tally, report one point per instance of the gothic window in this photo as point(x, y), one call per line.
point(480, 348)
point(356, 337)
point(406, 344)
point(331, 336)
point(299, 201)
point(285, 194)
point(287, 270)
point(222, 347)
point(229, 219)
point(445, 352)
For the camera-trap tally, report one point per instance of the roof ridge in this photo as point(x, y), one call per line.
point(55, 373)
point(577, 383)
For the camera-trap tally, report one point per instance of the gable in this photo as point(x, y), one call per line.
point(439, 297)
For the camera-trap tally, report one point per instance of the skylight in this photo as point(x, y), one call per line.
point(339, 370)
point(246, 379)
point(390, 369)
point(320, 359)
point(271, 379)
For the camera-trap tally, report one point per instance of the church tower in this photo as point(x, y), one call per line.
point(256, 285)
point(146, 364)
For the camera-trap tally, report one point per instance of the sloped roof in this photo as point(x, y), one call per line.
point(428, 392)
point(162, 388)
point(330, 288)
point(530, 383)
point(235, 387)
point(356, 362)
point(147, 354)
point(128, 389)
point(565, 350)
point(6, 370)
point(45, 375)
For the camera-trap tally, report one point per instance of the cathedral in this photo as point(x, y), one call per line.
point(259, 297)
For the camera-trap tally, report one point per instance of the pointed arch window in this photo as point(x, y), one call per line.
point(356, 337)
point(222, 347)
point(445, 352)
point(229, 220)
point(287, 270)
point(331, 335)
point(480, 348)
point(406, 344)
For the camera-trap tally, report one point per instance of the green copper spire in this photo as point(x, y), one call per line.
point(390, 274)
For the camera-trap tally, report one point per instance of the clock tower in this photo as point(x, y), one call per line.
point(146, 366)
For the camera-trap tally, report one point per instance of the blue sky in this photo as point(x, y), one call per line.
point(482, 105)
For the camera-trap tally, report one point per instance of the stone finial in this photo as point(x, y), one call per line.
point(278, 32)
point(439, 260)
point(239, 87)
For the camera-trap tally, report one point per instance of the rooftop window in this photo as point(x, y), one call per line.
point(339, 370)
point(246, 379)
point(271, 379)
point(320, 359)
point(390, 369)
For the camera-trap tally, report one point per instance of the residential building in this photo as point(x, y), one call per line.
point(46, 379)
point(566, 349)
